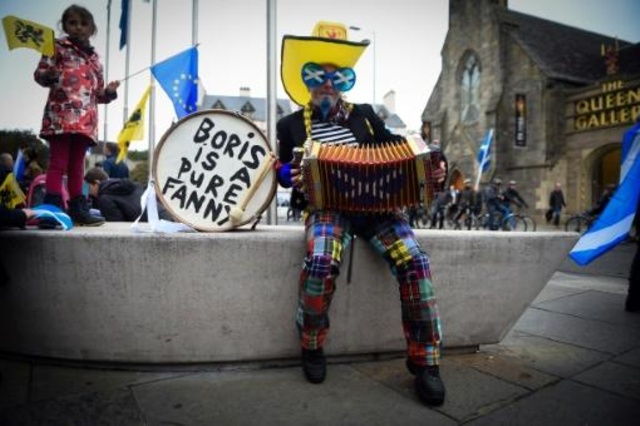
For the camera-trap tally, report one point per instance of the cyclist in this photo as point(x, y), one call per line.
point(602, 201)
point(511, 195)
point(443, 199)
point(494, 200)
point(466, 202)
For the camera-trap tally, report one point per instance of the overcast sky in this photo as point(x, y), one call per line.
point(407, 34)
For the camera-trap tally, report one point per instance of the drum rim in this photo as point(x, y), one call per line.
point(160, 196)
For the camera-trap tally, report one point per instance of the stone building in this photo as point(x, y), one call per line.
point(559, 99)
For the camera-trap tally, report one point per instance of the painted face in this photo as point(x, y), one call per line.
point(78, 28)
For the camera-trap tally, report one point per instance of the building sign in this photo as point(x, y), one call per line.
point(521, 120)
point(616, 105)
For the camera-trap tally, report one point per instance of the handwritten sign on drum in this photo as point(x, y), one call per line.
point(213, 171)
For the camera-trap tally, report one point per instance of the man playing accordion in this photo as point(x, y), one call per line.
point(315, 72)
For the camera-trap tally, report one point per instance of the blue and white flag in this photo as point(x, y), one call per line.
point(19, 166)
point(612, 226)
point(124, 24)
point(630, 150)
point(484, 155)
point(178, 76)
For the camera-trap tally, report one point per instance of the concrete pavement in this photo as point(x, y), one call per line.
point(573, 358)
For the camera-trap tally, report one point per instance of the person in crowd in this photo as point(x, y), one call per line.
point(466, 202)
point(11, 216)
point(6, 160)
point(118, 199)
point(452, 207)
point(603, 200)
point(32, 169)
point(439, 209)
point(74, 77)
point(110, 164)
point(316, 71)
point(512, 196)
point(494, 200)
point(556, 204)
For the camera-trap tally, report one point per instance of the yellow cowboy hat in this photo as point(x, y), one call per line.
point(328, 44)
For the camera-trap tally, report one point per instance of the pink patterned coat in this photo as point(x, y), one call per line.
point(72, 105)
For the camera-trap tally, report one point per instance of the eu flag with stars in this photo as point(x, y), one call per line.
point(178, 76)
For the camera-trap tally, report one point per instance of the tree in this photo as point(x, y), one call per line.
point(12, 140)
point(140, 173)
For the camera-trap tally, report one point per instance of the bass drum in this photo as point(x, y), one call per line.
point(213, 170)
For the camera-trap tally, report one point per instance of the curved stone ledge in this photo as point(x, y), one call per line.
point(107, 294)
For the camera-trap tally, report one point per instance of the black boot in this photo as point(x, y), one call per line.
point(80, 214)
point(48, 222)
point(428, 384)
point(314, 365)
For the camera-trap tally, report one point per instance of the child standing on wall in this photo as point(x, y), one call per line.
point(74, 76)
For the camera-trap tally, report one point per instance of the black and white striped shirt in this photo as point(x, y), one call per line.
point(329, 133)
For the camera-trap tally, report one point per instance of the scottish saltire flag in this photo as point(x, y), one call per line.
point(22, 33)
point(484, 155)
point(630, 150)
point(124, 24)
point(19, 166)
point(133, 129)
point(612, 227)
point(178, 76)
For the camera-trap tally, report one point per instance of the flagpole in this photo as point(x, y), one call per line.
point(125, 109)
point(272, 60)
point(152, 99)
point(194, 23)
point(105, 135)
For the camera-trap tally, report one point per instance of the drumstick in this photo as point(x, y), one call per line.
point(236, 213)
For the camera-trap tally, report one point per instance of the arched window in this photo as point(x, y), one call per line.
point(470, 90)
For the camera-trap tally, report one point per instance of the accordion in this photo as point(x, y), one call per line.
point(371, 178)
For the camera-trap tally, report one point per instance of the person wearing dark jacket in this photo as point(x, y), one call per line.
point(315, 72)
point(117, 199)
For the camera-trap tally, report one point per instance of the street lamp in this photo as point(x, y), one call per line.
point(373, 42)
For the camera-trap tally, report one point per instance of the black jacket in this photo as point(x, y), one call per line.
point(291, 131)
point(119, 200)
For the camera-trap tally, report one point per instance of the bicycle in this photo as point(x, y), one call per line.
point(530, 223)
point(467, 218)
point(513, 222)
point(579, 222)
point(419, 218)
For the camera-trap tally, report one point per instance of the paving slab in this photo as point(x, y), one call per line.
point(56, 381)
point(14, 382)
point(508, 369)
point(566, 404)
point(587, 333)
point(90, 409)
point(553, 291)
point(595, 305)
point(581, 281)
point(631, 358)
point(554, 358)
point(470, 392)
point(617, 378)
point(280, 397)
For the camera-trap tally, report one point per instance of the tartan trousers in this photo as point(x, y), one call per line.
point(328, 234)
